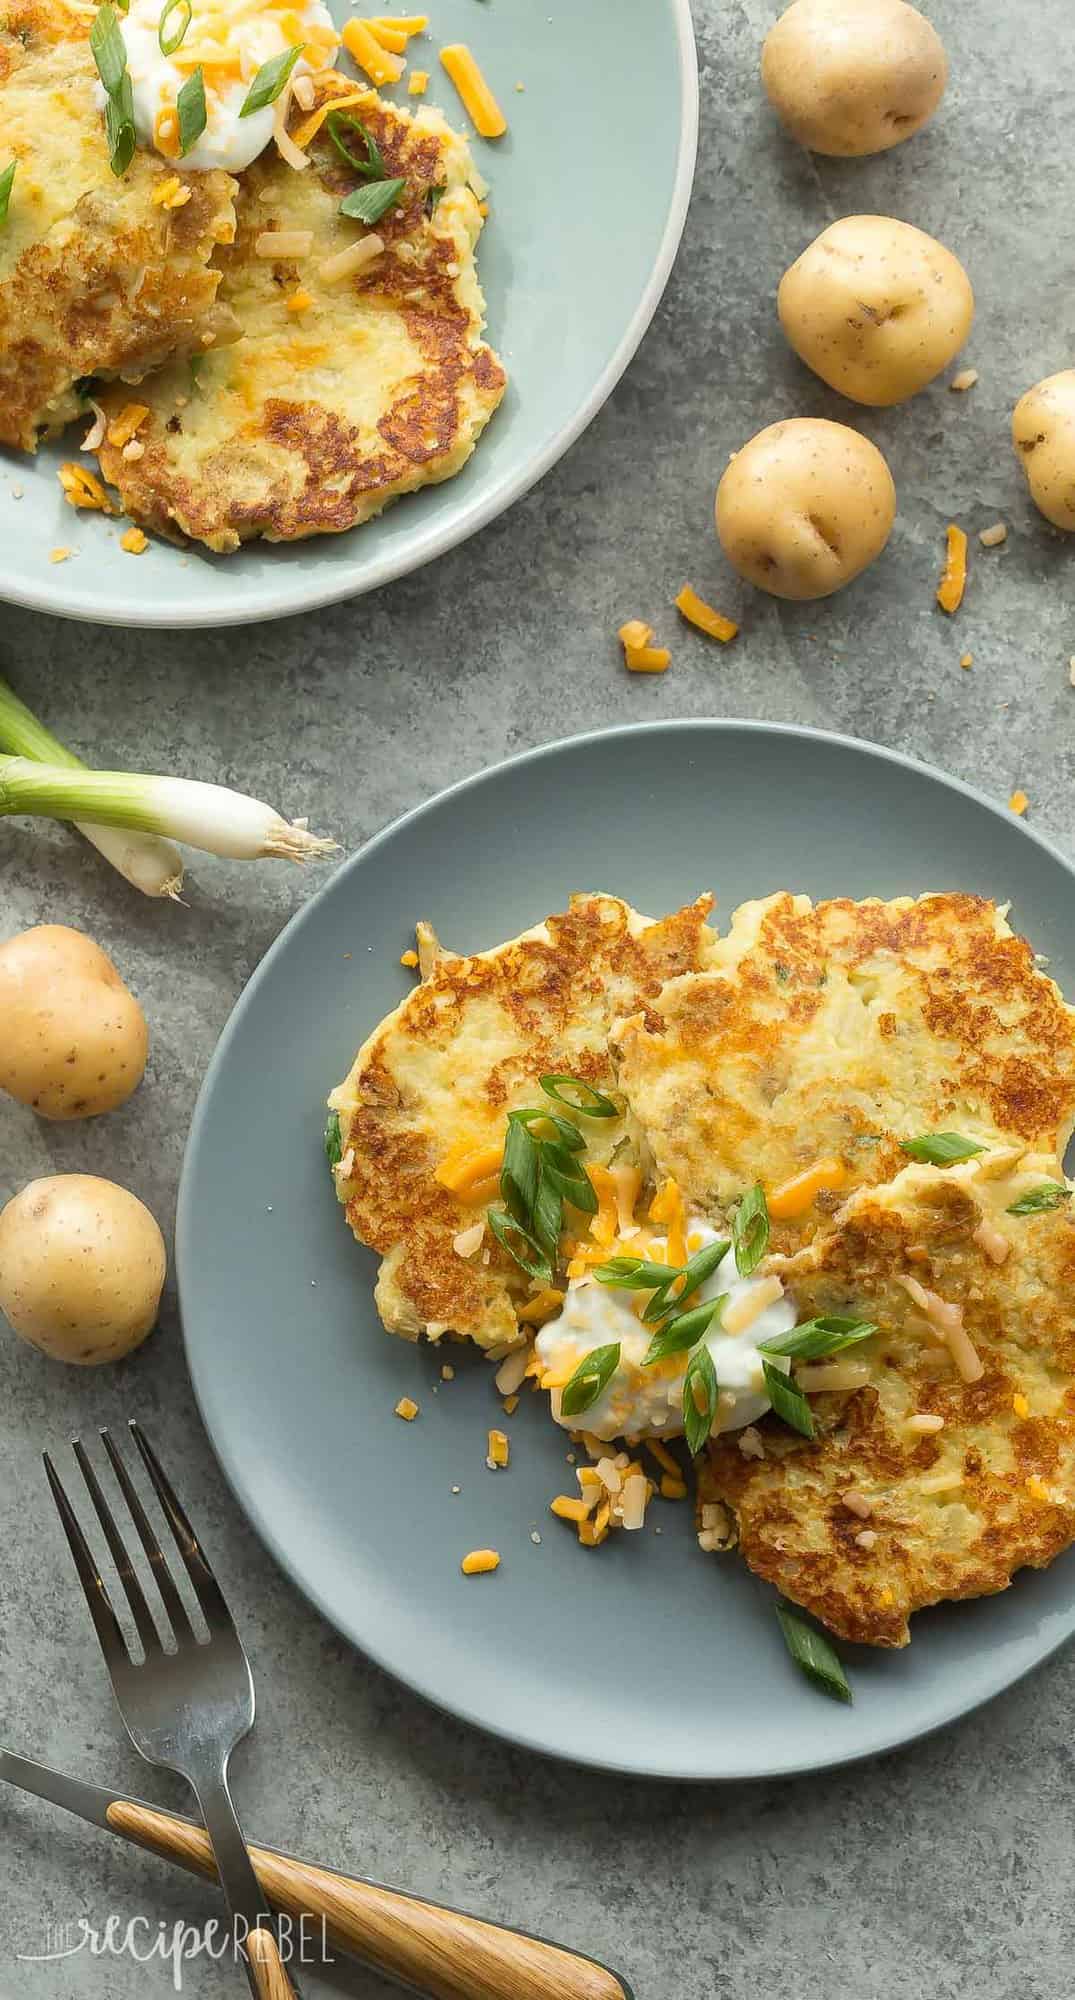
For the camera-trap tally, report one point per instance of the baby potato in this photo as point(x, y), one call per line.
point(1043, 433)
point(75, 1040)
point(81, 1268)
point(847, 79)
point(804, 507)
point(876, 308)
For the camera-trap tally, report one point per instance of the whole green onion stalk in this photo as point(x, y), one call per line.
point(47, 779)
point(206, 816)
point(150, 864)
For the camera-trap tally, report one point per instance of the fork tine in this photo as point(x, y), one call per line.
point(158, 1561)
point(206, 1588)
point(106, 1624)
point(140, 1611)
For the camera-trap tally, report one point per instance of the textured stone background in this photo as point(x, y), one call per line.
point(941, 1870)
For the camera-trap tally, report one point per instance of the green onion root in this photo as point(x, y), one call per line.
point(150, 864)
point(211, 817)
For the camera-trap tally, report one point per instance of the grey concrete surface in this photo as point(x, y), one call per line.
point(946, 1869)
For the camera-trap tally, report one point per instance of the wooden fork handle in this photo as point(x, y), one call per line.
point(267, 1966)
point(443, 1953)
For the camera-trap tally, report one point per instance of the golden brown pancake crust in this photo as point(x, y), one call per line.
point(840, 1029)
point(464, 1048)
point(1009, 1438)
point(95, 278)
point(317, 418)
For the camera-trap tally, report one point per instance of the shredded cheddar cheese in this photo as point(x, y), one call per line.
point(795, 1196)
point(409, 959)
point(380, 65)
point(407, 1408)
point(647, 659)
point(542, 1307)
point(667, 1207)
point(698, 612)
point(311, 126)
point(1018, 803)
point(389, 34)
point(134, 542)
point(635, 633)
point(499, 1448)
point(1020, 1405)
point(83, 489)
point(953, 583)
point(480, 1562)
point(464, 1165)
point(418, 83)
point(478, 101)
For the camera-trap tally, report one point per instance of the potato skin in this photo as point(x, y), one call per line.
point(848, 79)
point(82, 1266)
point(805, 507)
point(1043, 433)
point(876, 308)
point(75, 1040)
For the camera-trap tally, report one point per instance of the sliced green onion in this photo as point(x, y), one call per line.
point(698, 1422)
point(694, 1273)
point(511, 1235)
point(570, 1136)
point(813, 1655)
point(370, 203)
point(372, 167)
point(207, 816)
point(594, 1104)
point(815, 1338)
point(333, 1142)
point(561, 1170)
point(270, 81)
point(190, 107)
point(788, 1400)
point(519, 1173)
point(591, 1377)
point(434, 197)
point(635, 1274)
point(171, 39)
point(1037, 1201)
point(750, 1230)
point(152, 865)
point(109, 48)
point(6, 179)
point(940, 1149)
point(548, 1216)
point(684, 1331)
point(119, 127)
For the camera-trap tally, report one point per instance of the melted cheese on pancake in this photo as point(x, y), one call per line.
point(956, 1511)
point(839, 1029)
point(441, 1073)
point(372, 386)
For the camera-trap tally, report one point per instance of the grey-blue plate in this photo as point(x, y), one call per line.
point(644, 1656)
point(580, 240)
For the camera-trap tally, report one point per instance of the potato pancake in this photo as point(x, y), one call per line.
point(975, 1308)
point(97, 275)
point(436, 1080)
point(345, 390)
point(831, 1032)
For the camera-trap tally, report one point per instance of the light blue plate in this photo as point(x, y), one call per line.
point(645, 1656)
point(589, 195)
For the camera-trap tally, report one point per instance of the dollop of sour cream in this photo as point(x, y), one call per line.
point(231, 39)
point(642, 1402)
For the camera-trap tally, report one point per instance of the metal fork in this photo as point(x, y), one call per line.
point(185, 1709)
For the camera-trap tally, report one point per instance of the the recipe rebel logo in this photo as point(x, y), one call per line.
point(302, 1940)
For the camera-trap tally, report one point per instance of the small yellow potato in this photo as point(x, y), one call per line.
point(82, 1267)
point(848, 77)
point(804, 507)
point(1043, 433)
point(876, 308)
point(74, 1040)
